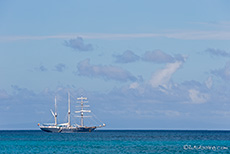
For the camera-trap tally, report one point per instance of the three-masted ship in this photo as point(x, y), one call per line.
point(67, 127)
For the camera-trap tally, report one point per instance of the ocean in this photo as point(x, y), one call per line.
point(116, 141)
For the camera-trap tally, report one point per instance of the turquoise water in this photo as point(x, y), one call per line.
point(116, 142)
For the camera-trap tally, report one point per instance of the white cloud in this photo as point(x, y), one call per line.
point(197, 97)
point(209, 82)
point(186, 35)
point(163, 76)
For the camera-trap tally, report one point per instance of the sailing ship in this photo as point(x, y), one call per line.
point(67, 127)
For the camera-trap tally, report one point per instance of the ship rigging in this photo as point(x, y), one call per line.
point(67, 127)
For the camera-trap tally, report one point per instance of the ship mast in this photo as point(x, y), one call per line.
point(55, 115)
point(81, 99)
point(82, 119)
point(68, 110)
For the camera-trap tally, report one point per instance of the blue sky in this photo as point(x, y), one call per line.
point(143, 64)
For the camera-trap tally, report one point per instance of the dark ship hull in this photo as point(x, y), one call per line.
point(54, 129)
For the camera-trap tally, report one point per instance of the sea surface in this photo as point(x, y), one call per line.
point(116, 141)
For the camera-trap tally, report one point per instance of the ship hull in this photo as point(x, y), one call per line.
point(67, 129)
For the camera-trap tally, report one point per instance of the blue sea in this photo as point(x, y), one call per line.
point(116, 141)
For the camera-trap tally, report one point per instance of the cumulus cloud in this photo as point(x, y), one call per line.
point(163, 76)
point(198, 97)
point(78, 44)
point(107, 72)
point(60, 67)
point(217, 52)
point(223, 73)
point(159, 56)
point(127, 57)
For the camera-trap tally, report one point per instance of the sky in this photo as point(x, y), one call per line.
point(142, 64)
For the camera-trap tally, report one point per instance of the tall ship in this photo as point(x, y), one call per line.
point(67, 127)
